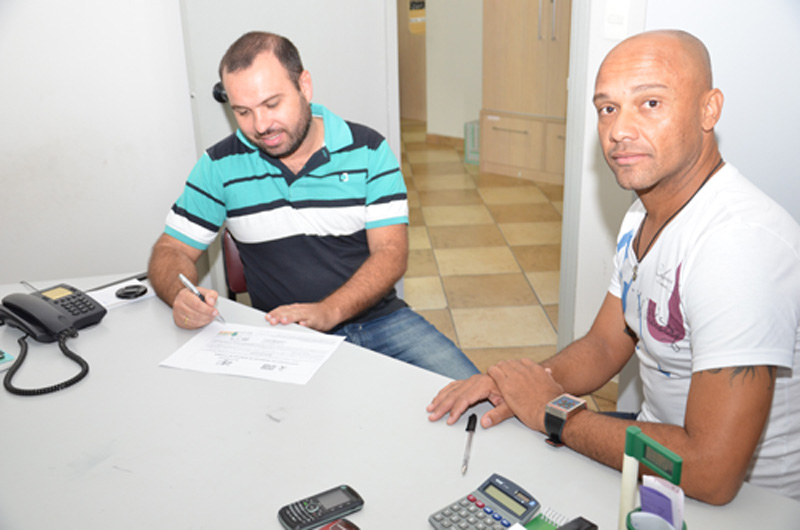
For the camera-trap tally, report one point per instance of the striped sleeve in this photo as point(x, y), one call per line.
point(199, 212)
point(386, 200)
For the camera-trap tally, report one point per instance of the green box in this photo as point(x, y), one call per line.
point(472, 130)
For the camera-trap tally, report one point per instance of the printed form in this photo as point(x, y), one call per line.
point(279, 354)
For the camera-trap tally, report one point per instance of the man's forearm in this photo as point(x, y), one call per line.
point(591, 361)
point(386, 264)
point(583, 367)
point(726, 412)
point(376, 277)
point(602, 438)
point(165, 264)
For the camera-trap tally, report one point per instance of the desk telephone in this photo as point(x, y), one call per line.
point(50, 315)
point(45, 315)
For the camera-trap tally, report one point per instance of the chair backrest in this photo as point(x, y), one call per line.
point(234, 270)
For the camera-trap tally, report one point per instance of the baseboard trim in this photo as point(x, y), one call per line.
point(450, 141)
point(523, 173)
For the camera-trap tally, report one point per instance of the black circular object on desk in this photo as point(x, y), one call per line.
point(131, 291)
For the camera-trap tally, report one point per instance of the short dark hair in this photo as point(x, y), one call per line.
point(243, 52)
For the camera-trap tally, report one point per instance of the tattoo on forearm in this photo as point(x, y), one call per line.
point(748, 371)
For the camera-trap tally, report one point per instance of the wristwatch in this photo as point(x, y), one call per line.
point(556, 414)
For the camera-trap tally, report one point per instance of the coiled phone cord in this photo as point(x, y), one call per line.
point(62, 343)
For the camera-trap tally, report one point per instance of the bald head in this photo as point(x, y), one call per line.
point(675, 49)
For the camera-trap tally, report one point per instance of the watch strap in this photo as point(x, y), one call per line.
point(553, 425)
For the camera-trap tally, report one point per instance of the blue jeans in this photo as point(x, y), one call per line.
point(408, 337)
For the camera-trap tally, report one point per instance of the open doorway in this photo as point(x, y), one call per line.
point(412, 64)
point(485, 248)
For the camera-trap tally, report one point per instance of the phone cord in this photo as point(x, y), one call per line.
point(23, 352)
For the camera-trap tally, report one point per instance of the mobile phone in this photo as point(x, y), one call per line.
point(316, 510)
point(497, 503)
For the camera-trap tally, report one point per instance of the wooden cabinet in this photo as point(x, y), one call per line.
point(511, 140)
point(523, 146)
point(525, 66)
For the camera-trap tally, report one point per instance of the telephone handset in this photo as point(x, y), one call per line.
point(50, 315)
point(46, 314)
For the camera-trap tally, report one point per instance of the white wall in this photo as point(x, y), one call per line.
point(96, 134)
point(350, 49)
point(454, 52)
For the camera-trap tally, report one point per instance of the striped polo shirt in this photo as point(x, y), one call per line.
point(300, 236)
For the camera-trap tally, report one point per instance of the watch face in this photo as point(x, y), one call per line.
point(564, 404)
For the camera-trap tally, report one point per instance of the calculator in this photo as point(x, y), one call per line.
point(497, 504)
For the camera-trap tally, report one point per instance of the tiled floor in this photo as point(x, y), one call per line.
point(484, 255)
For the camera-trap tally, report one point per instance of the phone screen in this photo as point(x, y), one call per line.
point(332, 498)
point(56, 293)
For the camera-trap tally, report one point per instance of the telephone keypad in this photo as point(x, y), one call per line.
point(76, 304)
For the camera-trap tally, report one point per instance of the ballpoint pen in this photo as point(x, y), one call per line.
point(473, 419)
point(185, 281)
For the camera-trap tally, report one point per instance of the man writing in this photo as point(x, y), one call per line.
point(317, 206)
point(706, 293)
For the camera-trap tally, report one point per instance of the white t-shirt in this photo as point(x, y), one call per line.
point(720, 287)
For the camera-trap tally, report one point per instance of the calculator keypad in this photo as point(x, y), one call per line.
point(468, 513)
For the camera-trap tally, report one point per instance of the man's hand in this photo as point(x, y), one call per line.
point(526, 388)
point(319, 316)
point(519, 388)
point(458, 396)
point(189, 312)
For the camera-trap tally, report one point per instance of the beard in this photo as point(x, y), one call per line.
point(295, 136)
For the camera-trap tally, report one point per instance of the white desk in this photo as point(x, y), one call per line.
point(135, 445)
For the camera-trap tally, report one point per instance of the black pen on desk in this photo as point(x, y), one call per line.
point(473, 419)
point(185, 281)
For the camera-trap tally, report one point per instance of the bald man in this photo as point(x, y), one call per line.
point(705, 292)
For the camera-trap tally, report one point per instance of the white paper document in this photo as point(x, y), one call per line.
point(263, 352)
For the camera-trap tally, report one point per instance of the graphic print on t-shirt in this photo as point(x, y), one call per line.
point(673, 331)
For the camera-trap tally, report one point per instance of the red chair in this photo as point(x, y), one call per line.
point(234, 270)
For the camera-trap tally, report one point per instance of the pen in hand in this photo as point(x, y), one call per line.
point(473, 419)
point(185, 281)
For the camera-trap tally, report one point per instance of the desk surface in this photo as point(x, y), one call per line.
point(135, 445)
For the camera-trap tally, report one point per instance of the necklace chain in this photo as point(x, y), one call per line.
point(637, 240)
